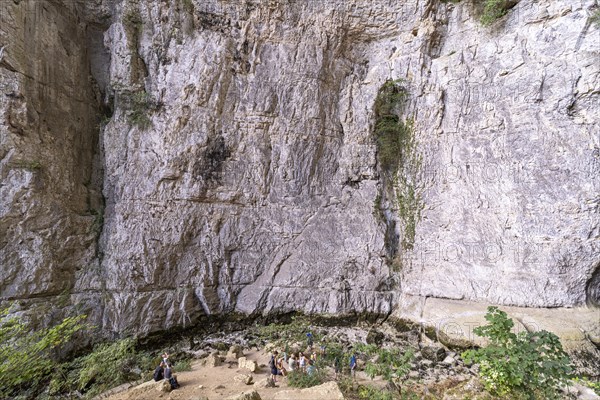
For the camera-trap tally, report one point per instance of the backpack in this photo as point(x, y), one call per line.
point(158, 374)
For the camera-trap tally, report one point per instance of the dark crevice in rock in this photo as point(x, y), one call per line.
point(593, 288)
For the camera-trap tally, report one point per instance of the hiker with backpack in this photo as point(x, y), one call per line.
point(170, 377)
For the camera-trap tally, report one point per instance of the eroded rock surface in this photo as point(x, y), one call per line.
point(239, 167)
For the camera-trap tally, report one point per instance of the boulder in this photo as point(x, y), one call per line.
point(326, 391)
point(246, 379)
point(251, 395)
point(235, 352)
point(250, 365)
point(264, 383)
point(375, 337)
point(449, 361)
point(213, 360)
point(433, 352)
point(163, 386)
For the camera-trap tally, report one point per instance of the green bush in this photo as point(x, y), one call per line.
point(493, 10)
point(111, 364)
point(300, 379)
point(28, 356)
point(528, 364)
point(368, 392)
point(392, 364)
point(183, 365)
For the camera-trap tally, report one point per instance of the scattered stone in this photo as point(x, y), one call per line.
point(251, 395)
point(200, 386)
point(164, 386)
point(235, 352)
point(244, 363)
point(413, 375)
point(213, 360)
point(375, 337)
point(265, 383)
point(219, 387)
point(246, 379)
point(426, 364)
point(198, 354)
point(449, 361)
point(433, 352)
point(326, 391)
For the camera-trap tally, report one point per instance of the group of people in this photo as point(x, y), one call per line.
point(304, 362)
point(165, 371)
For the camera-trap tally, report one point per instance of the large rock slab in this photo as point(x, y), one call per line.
point(326, 391)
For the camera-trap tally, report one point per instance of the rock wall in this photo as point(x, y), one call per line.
point(50, 198)
point(240, 172)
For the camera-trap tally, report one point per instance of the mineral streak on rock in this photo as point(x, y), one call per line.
point(238, 169)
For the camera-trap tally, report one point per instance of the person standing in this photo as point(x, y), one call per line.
point(353, 366)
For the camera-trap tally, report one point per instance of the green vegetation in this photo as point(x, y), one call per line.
point(107, 366)
point(110, 365)
point(493, 10)
point(183, 365)
point(391, 133)
point(595, 386)
point(595, 18)
point(282, 334)
point(139, 104)
point(303, 380)
point(29, 165)
point(529, 365)
point(397, 157)
point(27, 356)
point(390, 363)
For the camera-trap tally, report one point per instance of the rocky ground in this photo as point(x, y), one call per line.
point(234, 366)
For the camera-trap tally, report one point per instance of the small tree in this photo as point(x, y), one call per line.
point(25, 356)
point(528, 364)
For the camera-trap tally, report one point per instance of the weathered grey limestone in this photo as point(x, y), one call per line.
point(50, 200)
point(240, 170)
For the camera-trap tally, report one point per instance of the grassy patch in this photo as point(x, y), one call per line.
point(493, 10)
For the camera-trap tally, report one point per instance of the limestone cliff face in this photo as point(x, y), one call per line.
point(50, 199)
point(239, 168)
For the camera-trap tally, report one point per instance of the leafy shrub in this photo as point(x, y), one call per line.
point(392, 364)
point(111, 364)
point(493, 10)
point(300, 379)
point(528, 363)
point(183, 365)
point(27, 357)
point(368, 392)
